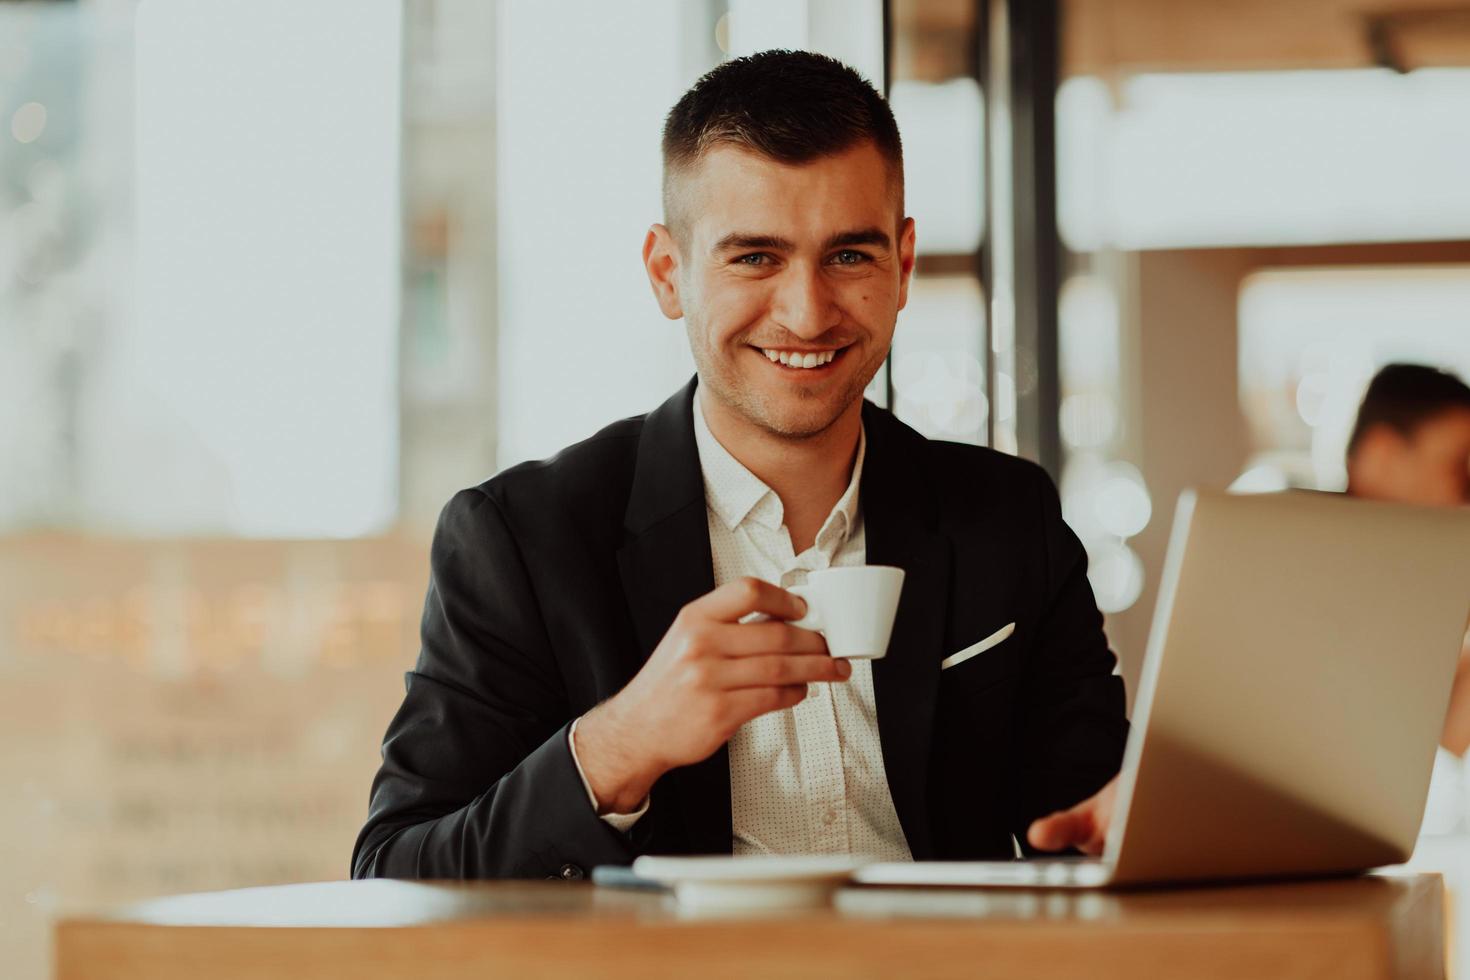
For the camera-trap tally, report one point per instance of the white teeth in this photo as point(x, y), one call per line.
point(810, 359)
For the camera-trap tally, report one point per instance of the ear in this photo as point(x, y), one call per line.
point(661, 261)
point(1374, 462)
point(905, 260)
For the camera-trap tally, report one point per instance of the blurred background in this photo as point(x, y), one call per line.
point(277, 278)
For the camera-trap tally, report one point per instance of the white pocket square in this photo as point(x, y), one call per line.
point(985, 644)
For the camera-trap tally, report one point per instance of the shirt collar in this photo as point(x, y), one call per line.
point(844, 516)
point(735, 493)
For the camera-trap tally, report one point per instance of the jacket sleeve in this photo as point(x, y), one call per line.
point(477, 779)
point(1073, 705)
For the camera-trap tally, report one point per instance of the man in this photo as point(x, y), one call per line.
point(1411, 445)
point(591, 685)
point(1411, 442)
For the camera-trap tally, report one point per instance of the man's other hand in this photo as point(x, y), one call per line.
point(709, 675)
point(1084, 826)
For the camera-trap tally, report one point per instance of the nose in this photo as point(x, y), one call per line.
point(804, 304)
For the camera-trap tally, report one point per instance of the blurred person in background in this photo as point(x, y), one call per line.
point(1411, 442)
point(591, 685)
point(1411, 445)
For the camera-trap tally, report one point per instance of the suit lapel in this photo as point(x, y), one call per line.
point(900, 521)
point(665, 564)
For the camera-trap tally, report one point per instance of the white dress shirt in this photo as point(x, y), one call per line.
point(807, 779)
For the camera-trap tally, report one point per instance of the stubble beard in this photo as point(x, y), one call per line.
point(726, 384)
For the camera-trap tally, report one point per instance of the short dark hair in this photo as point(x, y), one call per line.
point(790, 106)
point(1403, 396)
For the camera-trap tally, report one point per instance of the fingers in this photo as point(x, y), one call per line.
point(779, 669)
point(1084, 826)
point(1069, 828)
point(753, 639)
point(749, 702)
point(744, 596)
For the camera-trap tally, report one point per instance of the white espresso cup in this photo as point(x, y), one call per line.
point(852, 607)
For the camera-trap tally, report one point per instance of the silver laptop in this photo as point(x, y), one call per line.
point(1294, 688)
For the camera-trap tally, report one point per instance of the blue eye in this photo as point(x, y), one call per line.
point(754, 258)
point(849, 257)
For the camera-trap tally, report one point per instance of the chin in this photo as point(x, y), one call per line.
point(799, 427)
point(796, 416)
point(789, 411)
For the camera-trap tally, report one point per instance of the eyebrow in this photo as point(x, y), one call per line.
point(742, 241)
point(863, 236)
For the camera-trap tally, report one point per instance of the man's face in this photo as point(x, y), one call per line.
point(780, 266)
point(1430, 466)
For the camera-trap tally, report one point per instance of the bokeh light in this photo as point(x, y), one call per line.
point(28, 122)
point(1122, 501)
point(938, 378)
point(1116, 574)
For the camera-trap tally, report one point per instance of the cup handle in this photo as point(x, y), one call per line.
point(811, 621)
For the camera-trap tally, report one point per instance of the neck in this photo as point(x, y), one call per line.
point(809, 474)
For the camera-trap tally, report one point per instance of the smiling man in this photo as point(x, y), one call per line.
point(594, 683)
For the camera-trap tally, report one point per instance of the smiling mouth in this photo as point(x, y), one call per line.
point(801, 360)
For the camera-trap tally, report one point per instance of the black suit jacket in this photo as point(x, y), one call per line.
point(551, 584)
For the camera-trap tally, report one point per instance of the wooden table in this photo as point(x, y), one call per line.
point(1370, 927)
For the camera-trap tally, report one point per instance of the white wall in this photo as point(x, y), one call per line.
point(583, 91)
point(257, 391)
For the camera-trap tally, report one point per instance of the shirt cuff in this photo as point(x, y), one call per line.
point(618, 821)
